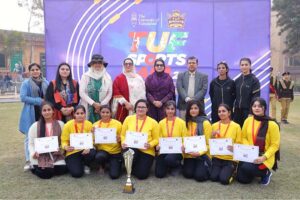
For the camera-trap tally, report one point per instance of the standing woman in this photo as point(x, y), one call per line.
point(95, 87)
point(247, 87)
point(46, 165)
point(262, 131)
point(63, 93)
point(128, 88)
point(143, 158)
point(221, 90)
point(32, 94)
point(171, 126)
point(223, 165)
point(159, 89)
point(109, 153)
point(77, 161)
point(197, 164)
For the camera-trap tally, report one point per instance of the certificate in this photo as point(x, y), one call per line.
point(81, 141)
point(194, 144)
point(170, 145)
point(219, 146)
point(105, 136)
point(245, 153)
point(46, 144)
point(136, 139)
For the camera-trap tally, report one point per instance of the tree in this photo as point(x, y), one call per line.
point(36, 12)
point(289, 21)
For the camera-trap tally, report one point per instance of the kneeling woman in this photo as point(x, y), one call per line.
point(259, 130)
point(109, 153)
point(46, 165)
point(197, 164)
point(171, 126)
point(77, 160)
point(143, 158)
point(223, 165)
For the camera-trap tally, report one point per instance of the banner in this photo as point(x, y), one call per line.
point(211, 30)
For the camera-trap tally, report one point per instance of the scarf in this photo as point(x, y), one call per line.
point(38, 87)
point(48, 159)
point(66, 93)
point(261, 137)
point(199, 120)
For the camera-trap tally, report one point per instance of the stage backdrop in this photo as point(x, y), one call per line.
point(211, 30)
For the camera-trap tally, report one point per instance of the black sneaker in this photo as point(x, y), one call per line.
point(265, 180)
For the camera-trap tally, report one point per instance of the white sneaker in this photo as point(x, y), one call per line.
point(87, 170)
point(27, 166)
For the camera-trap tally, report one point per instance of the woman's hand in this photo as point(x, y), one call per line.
point(86, 151)
point(93, 130)
point(157, 104)
point(128, 106)
point(124, 146)
point(215, 134)
point(260, 160)
point(230, 148)
point(147, 146)
point(35, 155)
point(195, 154)
point(182, 149)
point(157, 148)
point(118, 138)
point(97, 106)
point(69, 148)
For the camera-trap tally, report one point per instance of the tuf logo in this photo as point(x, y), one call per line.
point(176, 19)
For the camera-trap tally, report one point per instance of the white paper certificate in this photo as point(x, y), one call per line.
point(194, 144)
point(245, 153)
point(170, 145)
point(219, 146)
point(46, 144)
point(136, 139)
point(105, 135)
point(81, 140)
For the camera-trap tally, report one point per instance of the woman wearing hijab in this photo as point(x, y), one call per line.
point(159, 89)
point(262, 131)
point(32, 94)
point(95, 88)
point(128, 88)
point(63, 93)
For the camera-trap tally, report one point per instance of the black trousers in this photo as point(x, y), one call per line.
point(114, 161)
point(47, 173)
point(76, 162)
point(195, 168)
point(240, 115)
point(142, 163)
point(165, 162)
point(248, 171)
point(222, 170)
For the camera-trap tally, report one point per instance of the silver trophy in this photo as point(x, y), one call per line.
point(128, 158)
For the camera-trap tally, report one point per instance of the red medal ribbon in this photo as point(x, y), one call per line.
point(137, 124)
point(219, 134)
point(172, 128)
point(76, 128)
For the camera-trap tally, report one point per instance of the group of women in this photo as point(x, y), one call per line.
point(63, 107)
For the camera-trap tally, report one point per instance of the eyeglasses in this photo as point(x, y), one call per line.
point(159, 65)
point(192, 63)
point(129, 64)
point(141, 107)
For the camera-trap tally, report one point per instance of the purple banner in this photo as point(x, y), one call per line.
point(211, 30)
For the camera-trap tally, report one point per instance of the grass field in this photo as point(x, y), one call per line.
point(16, 184)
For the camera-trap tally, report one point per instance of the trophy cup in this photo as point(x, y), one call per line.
point(128, 158)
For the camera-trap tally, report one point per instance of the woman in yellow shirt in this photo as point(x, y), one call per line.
point(197, 164)
point(260, 130)
point(109, 153)
point(171, 126)
point(223, 165)
point(143, 158)
point(77, 160)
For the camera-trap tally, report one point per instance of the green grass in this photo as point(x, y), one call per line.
point(16, 184)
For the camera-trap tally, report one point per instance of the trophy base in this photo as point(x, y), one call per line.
point(129, 189)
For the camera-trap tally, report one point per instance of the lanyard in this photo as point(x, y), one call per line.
point(137, 124)
point(100, 123)
point(219, 134)
point(191, 130)
point(76, 128)
point(254, 136)
point(172, 128)
point(49, 132)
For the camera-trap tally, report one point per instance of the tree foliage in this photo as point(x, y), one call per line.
point(288, 13)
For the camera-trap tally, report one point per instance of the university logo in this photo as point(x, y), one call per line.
point(134, 19)
point(176, 19)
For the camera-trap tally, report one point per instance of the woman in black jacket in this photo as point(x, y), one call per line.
point(221, 90)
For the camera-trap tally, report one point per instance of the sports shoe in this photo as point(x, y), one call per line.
point(87, 170)
point(265, 180)
point(27, 166)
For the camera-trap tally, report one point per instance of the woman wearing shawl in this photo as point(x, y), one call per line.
point(95, 88)
point(197, 164)
point(63, 93)
point(32, 93)
point(128, 88)
point(46, 165)
point(260, 130)
point(159, 89)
